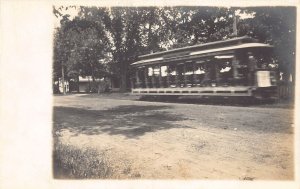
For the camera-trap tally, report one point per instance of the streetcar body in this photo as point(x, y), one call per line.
point(234, 67)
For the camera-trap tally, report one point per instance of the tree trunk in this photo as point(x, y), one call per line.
point(99, 87)
point(94, 84)
point(93, 75)
point(123, 81)
point(123, 74)
point(63, 79)
point(78, 90)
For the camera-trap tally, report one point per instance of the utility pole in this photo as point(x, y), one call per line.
point(235, 34)
point(63, 79)
point(235, 20)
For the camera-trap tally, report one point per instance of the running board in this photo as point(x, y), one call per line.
point(207, 91)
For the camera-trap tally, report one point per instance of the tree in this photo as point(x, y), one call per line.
point(277, 26)
point(120, 34)
point(81, 48)
point(122, 26)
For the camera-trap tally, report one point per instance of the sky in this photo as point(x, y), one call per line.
point(71, 11)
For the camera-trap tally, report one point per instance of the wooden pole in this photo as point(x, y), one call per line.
point(137, 78)
point(78, 90)
point(168, 76)
point(217, 73)
point(184, 76)
point(132, 83)
point(235, 69)
point(153, 78)
point(235, 31)
point(177, 76)
point(160, 77)
point(63, 79)
point(194, 75)
point(146, 77)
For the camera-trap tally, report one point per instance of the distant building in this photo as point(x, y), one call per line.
point(60, 86)
point(86, 85)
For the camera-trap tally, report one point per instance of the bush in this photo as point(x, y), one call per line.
point(70, 162)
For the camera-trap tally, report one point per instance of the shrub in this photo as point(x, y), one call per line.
point(70, 162)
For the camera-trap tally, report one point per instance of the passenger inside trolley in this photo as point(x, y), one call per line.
point(234, 67)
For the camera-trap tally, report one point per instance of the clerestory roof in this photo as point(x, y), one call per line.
point(201, 50)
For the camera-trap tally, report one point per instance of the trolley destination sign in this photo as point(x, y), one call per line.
point(233, 67)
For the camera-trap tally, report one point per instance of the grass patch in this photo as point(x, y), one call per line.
point(70, 162)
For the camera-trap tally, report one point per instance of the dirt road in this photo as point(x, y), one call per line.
point(155, 140)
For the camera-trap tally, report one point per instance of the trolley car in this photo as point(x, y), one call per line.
point(235, 67)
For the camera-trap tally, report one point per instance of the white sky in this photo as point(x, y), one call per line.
point(71, 11)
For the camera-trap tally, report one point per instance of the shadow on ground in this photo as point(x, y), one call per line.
point(131, 121)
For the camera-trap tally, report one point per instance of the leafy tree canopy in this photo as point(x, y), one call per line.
point(104, 40)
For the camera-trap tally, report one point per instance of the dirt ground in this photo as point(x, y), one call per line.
point(158, 140)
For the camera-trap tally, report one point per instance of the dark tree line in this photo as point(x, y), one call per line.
point(104, 41)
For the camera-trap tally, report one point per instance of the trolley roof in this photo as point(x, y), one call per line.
point(198, 51)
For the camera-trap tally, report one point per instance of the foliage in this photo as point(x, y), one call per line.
point(118, 35)
point(81, 46)
point(277, 26)
point(74, 163)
